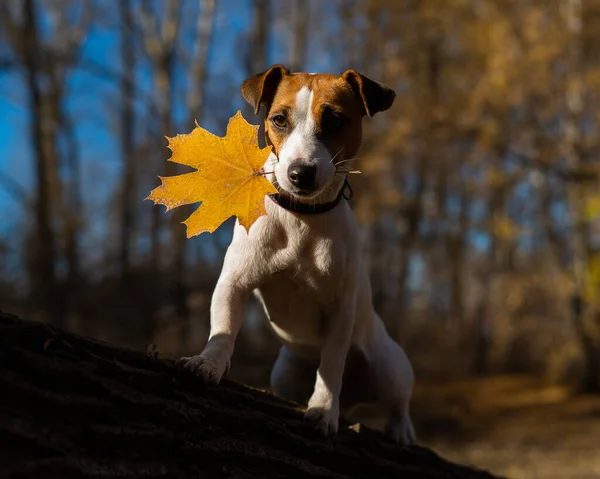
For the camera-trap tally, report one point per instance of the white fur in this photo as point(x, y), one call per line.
point(303, 146)
point(309, 273)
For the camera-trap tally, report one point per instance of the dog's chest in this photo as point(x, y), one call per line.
point(304, 284)
point(305, 254)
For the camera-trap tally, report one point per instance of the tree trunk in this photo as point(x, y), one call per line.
point(300, 11)
point(395, 317)
point(458, 264)
point(260, 40)
point(195, 103)
point(78, 408)
point(45, 254)
point(572, 16)
point(71, 208)
point(413, 214)
point(127, 137)
point(257, 53)
point(160, 42)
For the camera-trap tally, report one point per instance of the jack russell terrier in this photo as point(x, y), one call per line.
point(303, 259)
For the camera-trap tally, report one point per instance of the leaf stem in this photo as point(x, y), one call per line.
point(262, 172)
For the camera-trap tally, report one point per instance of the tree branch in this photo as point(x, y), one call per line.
point(71, 407)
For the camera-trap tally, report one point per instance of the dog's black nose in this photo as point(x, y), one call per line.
point(302, 176)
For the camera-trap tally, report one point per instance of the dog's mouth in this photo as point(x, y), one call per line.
point(304, 193)
point(292, 192)
point(307, 191)
point(298, 193)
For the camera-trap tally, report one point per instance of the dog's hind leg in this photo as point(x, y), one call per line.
point(293, 377)
point(393, 381)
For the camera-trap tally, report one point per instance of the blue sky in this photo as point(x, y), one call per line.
point(93, 103)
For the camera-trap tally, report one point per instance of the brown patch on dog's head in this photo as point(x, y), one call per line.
point(375, 96)
point(259, 89)
point(314, 122)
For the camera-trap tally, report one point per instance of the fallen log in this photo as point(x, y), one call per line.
point(73, 407)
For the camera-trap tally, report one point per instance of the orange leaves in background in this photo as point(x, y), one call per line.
point(229, 180)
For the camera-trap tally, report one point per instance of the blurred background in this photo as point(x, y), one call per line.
point(479, 196)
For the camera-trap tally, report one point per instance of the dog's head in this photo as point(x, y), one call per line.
point(314, 123)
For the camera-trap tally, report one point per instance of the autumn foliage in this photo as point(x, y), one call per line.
point(479, 201)
point(229, 180)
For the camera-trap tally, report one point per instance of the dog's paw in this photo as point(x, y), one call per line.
point(399, 429)
point(324, 420)
point(209, 368)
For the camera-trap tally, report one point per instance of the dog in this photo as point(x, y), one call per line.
point(303, 259)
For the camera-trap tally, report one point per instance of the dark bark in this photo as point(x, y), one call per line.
point(300, 13)
point(199, 67)
point(45, 254)
point(159, 29)
point(127, 136)
point(496, 205)
point(257, 55)
point(396, 319)
point(197, 90)
point(260, 40)
point(72, 213)
point(458, 260)
point(396, 316)
point(75, 407)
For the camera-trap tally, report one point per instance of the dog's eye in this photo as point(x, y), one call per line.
point(279, 121)
point(333, 121)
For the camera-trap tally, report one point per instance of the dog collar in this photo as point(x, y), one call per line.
point(306, 209)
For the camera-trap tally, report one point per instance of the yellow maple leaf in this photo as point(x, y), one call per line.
point(229, 180)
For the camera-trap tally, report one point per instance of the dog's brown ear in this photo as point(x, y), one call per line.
point(260, 89)
point(375, 96)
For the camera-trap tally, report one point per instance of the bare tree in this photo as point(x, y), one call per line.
point(159, 38)
point(29, 48)
point(300, 14)
point(199, 60)
point(127, 132)
point(572, 16)
point(46, 66)
point(195, 103)
point(260, 41)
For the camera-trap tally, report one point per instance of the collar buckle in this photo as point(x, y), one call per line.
point(346, 191)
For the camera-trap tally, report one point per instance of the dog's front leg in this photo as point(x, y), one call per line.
point(226, 316)
point(324, 405)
